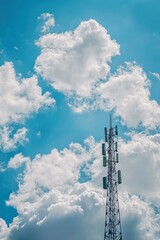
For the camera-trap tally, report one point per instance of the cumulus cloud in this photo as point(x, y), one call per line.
point(19, 97)
point(16, 161)
point(47, 198)
point(51, 196)
point(139, 219)
point(9, 140)
point(3, 229)
point(49, 21)
point(55, 164)
point(128, 93)
point(141, 163)
point(75, 63)
point(72, 62)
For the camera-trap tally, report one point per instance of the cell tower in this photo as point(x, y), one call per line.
point(112, 230)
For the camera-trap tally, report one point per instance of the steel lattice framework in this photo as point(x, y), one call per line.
point(112, 229)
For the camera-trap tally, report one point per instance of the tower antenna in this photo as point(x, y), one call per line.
point(110, 120)
point(112, 229)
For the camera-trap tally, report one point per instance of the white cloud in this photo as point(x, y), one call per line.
point(48, 196)
point(49, 22)
point(9, 140)
point(16, 161)
point(3, 229)
point(72, 62)
point(128, 92)
point(54, 165)
point(19, 97)
point(157, 75)
point(139, 220)
point(75, 62)
point(140, 164)
point(51, 198)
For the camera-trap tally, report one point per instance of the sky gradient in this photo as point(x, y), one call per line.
point(64, 67)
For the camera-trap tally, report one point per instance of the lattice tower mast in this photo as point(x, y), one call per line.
point(112, 229)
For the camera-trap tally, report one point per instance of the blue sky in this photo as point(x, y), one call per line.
point(65, 95)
